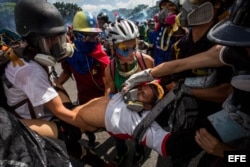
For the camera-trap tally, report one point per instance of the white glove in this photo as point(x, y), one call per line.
point(136, 79)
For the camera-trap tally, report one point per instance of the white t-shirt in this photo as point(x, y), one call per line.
point(29, 81)
point(121, 122)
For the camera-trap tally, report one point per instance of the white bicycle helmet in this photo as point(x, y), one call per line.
point(121, 30)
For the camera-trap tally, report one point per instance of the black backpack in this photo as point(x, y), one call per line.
point(21, 147)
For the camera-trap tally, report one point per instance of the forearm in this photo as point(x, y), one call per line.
point(64, 76)
point(57, 108)
point(208, 58)
point(216, 94)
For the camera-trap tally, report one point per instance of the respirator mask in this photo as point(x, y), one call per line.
point(131, 98)
point(195, 12)
point(166, 17)
point(53, 49)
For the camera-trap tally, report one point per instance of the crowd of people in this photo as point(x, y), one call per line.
point(197, 55)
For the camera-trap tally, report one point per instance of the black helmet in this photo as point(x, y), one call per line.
point(234, 31)
point(175, 2)
point(38, 17)
point(151, 21)
point(103, 16)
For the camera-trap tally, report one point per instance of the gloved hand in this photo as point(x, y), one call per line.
point(136, 79)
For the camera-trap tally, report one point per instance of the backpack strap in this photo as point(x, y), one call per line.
point(31, 109)
point(8, 84)
point(140, 60)
point(112, 68)
point(176, 51)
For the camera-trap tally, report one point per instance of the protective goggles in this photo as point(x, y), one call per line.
point(52, 45)
point(124, 50)
point(87, 36)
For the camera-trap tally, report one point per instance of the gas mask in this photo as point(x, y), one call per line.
point(52, 50)
point(194, 12)
point(162, 15)
point(131, 98)
point(166, 17)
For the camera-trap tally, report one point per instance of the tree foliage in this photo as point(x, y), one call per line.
point(67, 10)
point(7, 15)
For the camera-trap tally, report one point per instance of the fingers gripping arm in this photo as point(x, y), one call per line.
point(136, 79)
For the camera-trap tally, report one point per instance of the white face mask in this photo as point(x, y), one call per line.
point(52, 50)
point(193, 14)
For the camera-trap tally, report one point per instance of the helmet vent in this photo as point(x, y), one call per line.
point(113, 33)
point(122, 29)
point(131, 27)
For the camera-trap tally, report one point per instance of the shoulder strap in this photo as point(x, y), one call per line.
point(176, 51)
point(31, 109)
point(5, 81)
point(141, 61)
point(112, 68)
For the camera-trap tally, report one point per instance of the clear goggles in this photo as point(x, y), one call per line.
point(52, 45)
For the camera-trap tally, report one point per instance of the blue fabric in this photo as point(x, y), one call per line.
point(161, 56)
point(80, 60)
point(152, 36)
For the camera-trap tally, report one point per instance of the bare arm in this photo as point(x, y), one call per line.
point(149, 61)
point(108, 81)
point(57, 108)
point(208, 58)
point(89, 116)
point(216, 94)
point(64, 76)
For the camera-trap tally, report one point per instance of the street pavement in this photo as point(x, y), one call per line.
point(105, 145)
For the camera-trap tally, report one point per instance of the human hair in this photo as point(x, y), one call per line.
point(155, 96)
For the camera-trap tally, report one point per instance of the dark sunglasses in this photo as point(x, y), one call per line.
point(86, 36)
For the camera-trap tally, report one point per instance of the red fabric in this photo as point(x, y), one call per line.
point(100, 55)
point(86, 83)
point(163, 146)
point(121, 136)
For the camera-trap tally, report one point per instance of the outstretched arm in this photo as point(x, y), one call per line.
point(209, 58)
point(89, 116)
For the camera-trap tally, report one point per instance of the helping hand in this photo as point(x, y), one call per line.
point(136, 79)
point(210, 144)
